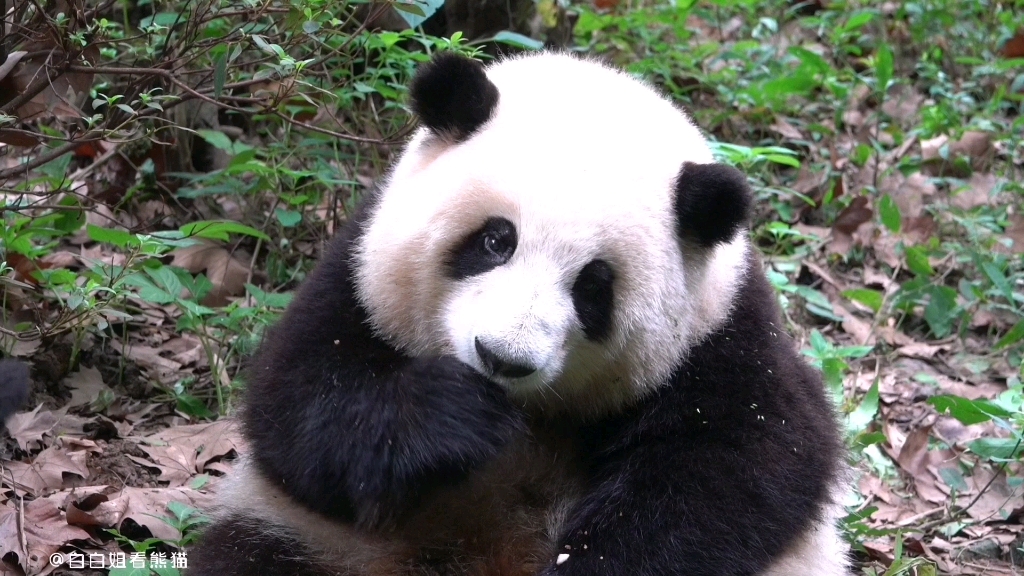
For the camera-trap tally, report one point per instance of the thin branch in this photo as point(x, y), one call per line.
point(154, 72)
point(39, 83)
point(340, 135)
point(43, 159)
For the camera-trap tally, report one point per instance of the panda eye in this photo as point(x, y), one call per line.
point(486, 248)
point(495, 245)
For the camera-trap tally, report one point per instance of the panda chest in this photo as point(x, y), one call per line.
point(504, 519)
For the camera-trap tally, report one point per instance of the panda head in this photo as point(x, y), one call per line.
point(558, 226)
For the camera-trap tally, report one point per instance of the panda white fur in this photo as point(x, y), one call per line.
point(545, 347)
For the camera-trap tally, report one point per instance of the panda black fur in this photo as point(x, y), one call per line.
point(14, 386)
point(533, 355)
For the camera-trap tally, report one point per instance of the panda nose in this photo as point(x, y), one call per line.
point(499, 366)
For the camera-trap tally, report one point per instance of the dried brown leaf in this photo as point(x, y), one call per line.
point(149, 357)
point(915, 458)
point(786, 129)
point(921, 350)
point(227, 273)
point(29, 428)
point(977, 192)
point(86, 385)
point(147, 505)
point(910, 193)
point(19, 138)
point(46, 471)
point(903, 104)
point(183, 451)
point(45, 528)
point(1016, 232)
point(1014, 47)
point(847, 223)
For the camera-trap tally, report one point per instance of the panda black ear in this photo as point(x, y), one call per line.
point(452, 96)
point(712, 203)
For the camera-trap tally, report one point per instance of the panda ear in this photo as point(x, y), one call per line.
point(712, 203)
point(452, 96)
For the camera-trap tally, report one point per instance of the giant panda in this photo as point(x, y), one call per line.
point(546, 347)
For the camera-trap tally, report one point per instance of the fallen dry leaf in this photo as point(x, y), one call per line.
point(997, 496)
point(147, 505)
point(149, 357)
point(226, 272)
point(847, 223)
point(903, 104)
point(976, 146)
point(45, 473)
point(910, 193)
point(86, 385)
point(183, 451)
point(45, 528)
point(921, 350)
point(786, 129)
point(977, 191)
point(915, 458)
point(29, 428)
point(1014, 47)
point(1015, 232)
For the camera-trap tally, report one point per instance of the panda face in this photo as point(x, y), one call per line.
point(553, 265)
point(517, 313)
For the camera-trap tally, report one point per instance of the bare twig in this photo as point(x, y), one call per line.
point(339, 135)
point(42, 159)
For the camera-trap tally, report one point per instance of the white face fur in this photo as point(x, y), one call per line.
point(582, 160)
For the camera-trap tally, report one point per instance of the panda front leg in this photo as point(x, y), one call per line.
point(681, 509)
point(354, 429)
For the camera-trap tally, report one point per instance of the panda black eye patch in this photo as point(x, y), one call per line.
point(592, 296)
point(486, 248)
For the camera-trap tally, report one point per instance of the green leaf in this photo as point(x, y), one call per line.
point(941, 310)
point(165, 19)
point(883, 67)
point(996, 448)
point(166, 279)
point(998, 279)
point(1012, 337)
point(860, 418)
point(784, 160)
point(954, 479)
point(832, 369)
point(118, 238)
point(220, 73)
point(871, 298)
point(890, 213)
point(518, 40)
point(287, 218)
point(818, 342)
point(216, 139)
point(219, 230)
point(917, 261)
point(311, 27)
point(417, 12)
point(857, 21)
point(865, 439)
point(194, 407)
point(410, 8)
point(149, 291)
point(968, 411)
point(269, 299)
